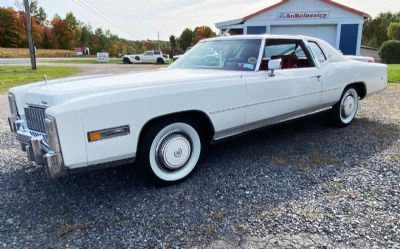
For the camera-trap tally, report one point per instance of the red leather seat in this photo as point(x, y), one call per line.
point(288, 61)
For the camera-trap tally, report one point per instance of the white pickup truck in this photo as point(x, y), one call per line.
point(153, 56)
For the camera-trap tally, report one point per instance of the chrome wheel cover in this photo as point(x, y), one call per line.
point(175, 151)
point(348, 106)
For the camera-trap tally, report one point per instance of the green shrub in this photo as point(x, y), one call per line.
point(390, 52)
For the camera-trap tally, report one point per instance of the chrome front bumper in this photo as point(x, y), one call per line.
point(37, 149)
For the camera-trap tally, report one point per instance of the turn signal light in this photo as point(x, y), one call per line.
point(108, 133)
point(94, 136)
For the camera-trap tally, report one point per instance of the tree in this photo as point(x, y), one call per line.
point(393, 31)
point(11, 32)
point(63, 33)
point(186, 38)
point(375, 29)
point(172, 41)
point(201, 33)
point(74, 25)
point(86, 31)
point(37, 12)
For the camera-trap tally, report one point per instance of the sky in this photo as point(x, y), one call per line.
point(143, 19)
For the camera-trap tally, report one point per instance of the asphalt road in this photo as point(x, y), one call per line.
point(86, 69)
point(300, 185)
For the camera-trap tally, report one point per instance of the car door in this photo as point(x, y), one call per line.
point(148, 57)
point(292, 91)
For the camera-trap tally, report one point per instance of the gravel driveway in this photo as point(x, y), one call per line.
point(301, 185)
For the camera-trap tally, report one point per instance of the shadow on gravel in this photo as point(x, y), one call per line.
point(234, 181)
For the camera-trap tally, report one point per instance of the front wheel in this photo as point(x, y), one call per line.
point(170, 151)
point(345, 110)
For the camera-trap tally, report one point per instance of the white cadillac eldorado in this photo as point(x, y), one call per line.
point(163, 119)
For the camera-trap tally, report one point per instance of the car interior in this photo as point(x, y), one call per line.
point(291, 52)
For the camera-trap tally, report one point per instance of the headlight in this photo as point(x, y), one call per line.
point(52, 134)
point(13, 104)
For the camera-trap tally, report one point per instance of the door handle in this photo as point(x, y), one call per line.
point(316, 76)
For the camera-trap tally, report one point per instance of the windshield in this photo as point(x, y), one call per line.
point(238, 55)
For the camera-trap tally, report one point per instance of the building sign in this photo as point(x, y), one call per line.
point(304, 15)
point(103, 57)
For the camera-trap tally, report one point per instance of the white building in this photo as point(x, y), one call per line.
point(337, 24)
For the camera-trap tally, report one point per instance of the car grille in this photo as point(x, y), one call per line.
point(35, 116)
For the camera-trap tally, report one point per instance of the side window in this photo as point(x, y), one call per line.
point(317, 51)
point(157, 52)
point(148, 53)
point(291, 52)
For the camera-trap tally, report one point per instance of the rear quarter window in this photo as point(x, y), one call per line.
point(317, 51)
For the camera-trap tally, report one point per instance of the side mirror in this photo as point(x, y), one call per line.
point(274, 64)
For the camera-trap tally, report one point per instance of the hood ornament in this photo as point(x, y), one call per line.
point(45, 78)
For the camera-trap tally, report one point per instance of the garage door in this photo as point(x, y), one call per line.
point(324, 32)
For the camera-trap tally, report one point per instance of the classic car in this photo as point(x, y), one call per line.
point(163, 119)
point(153, 56)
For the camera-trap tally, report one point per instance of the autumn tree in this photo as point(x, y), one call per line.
point(63, 34)
point(11, 32)
point(201, 33)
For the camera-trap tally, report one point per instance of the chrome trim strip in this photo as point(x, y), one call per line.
point(262, 102)
point(332, 89)
point(266, 122)
point(283, 98)
point(227, 109)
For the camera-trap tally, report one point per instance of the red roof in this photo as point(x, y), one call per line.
point(357, 12)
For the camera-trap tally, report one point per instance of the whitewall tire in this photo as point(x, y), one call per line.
point(171, 150)
point(346, 109)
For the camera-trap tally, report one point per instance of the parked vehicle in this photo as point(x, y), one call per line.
point(152, 56)
point(164, 119)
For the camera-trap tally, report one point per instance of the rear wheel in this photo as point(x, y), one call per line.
point(160, 61)
point(126, 60)
point(345, 110)
point(170, 150)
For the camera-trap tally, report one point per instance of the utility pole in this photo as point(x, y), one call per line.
point(29, 34)
point(158, 35)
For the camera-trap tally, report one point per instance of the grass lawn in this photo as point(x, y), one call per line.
point(11, 76)
point(394, 73)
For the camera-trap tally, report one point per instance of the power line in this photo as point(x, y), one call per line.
point(117, 25)
point(187, 9)
point(97, 12)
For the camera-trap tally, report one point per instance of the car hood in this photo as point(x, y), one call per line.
point(54, 92)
